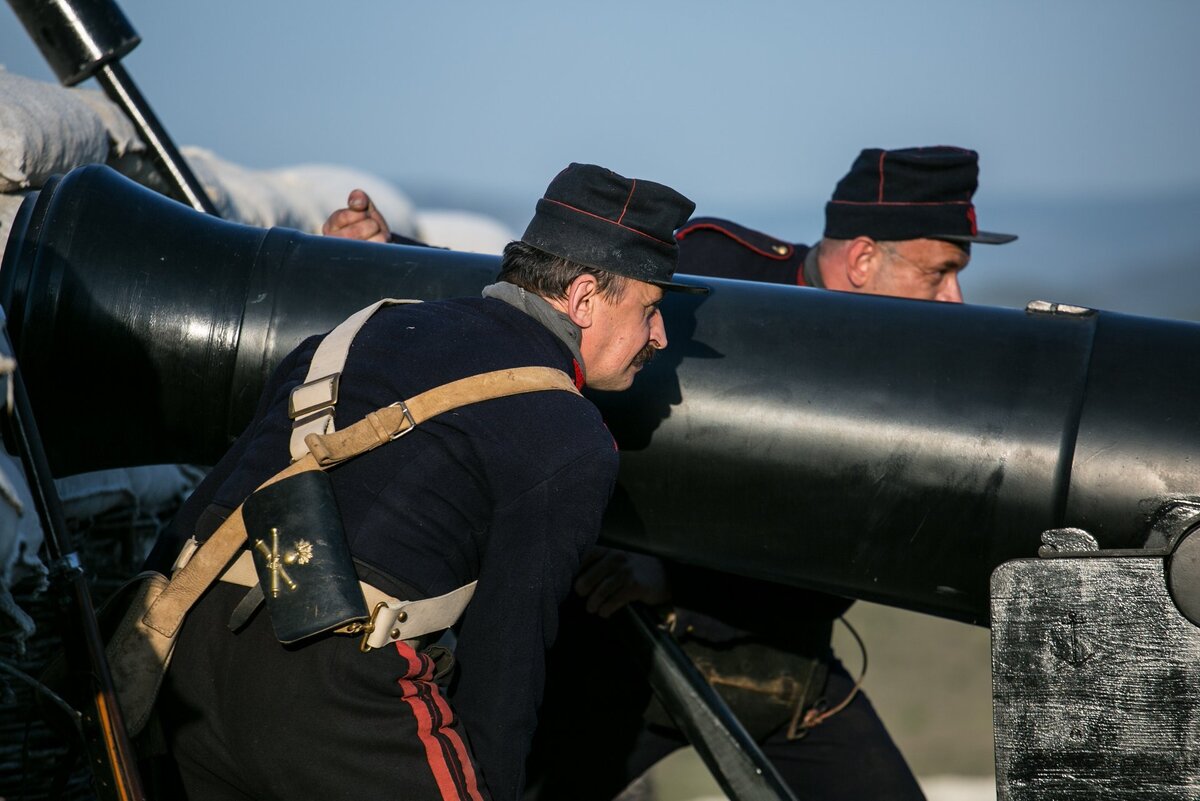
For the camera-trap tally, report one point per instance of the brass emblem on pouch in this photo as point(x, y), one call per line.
point(302, 555)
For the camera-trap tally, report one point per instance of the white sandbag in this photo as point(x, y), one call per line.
point(20, 541)
point(10, 204)
point(462, 230)
point(296, 197)
point(44, 129)
point(317, 190)
point(88, 495)
point(147, 493)
point(122, 135)
point(162, 488)
point(238, 193)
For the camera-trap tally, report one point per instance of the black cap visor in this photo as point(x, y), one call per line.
point(671, 286)
point(982, 237)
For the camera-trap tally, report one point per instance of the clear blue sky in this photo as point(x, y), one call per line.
point(722, 99)
point(742, 106)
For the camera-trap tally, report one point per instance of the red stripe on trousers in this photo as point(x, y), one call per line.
point(424, 699)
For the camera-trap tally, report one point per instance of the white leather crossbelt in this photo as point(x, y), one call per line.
point(392, 618)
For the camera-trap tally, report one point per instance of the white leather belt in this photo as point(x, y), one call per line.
point(391, 618)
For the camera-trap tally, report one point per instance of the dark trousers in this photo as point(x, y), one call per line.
point(248, 718)
point(593, 739)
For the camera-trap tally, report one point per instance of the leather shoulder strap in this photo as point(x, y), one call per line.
point(391, 422)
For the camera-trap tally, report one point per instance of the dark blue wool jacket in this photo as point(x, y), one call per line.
point(508, 491)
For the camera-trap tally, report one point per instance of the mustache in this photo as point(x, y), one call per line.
point(644, 355)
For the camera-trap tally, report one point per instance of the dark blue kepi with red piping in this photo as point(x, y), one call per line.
point(593, 216)
point(912, 193)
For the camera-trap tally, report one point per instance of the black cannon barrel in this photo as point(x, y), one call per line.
point(147, 333)
point(885, 449)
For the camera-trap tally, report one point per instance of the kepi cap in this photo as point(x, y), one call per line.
point(911, 193)
point(593, 216)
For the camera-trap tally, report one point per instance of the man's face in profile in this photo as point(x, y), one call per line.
point(921, 269)
point(625, 332)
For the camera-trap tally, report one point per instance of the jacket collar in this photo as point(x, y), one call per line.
point(539, 309)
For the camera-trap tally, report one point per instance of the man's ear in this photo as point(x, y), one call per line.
point(862, 260)
point(582, 297)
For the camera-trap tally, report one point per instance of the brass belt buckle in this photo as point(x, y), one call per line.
point(364, 629)
point(368, 628)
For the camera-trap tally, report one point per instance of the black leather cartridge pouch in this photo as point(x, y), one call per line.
point(294, 532)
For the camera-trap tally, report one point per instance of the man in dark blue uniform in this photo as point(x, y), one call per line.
point(900, 223)
point(506, 492)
